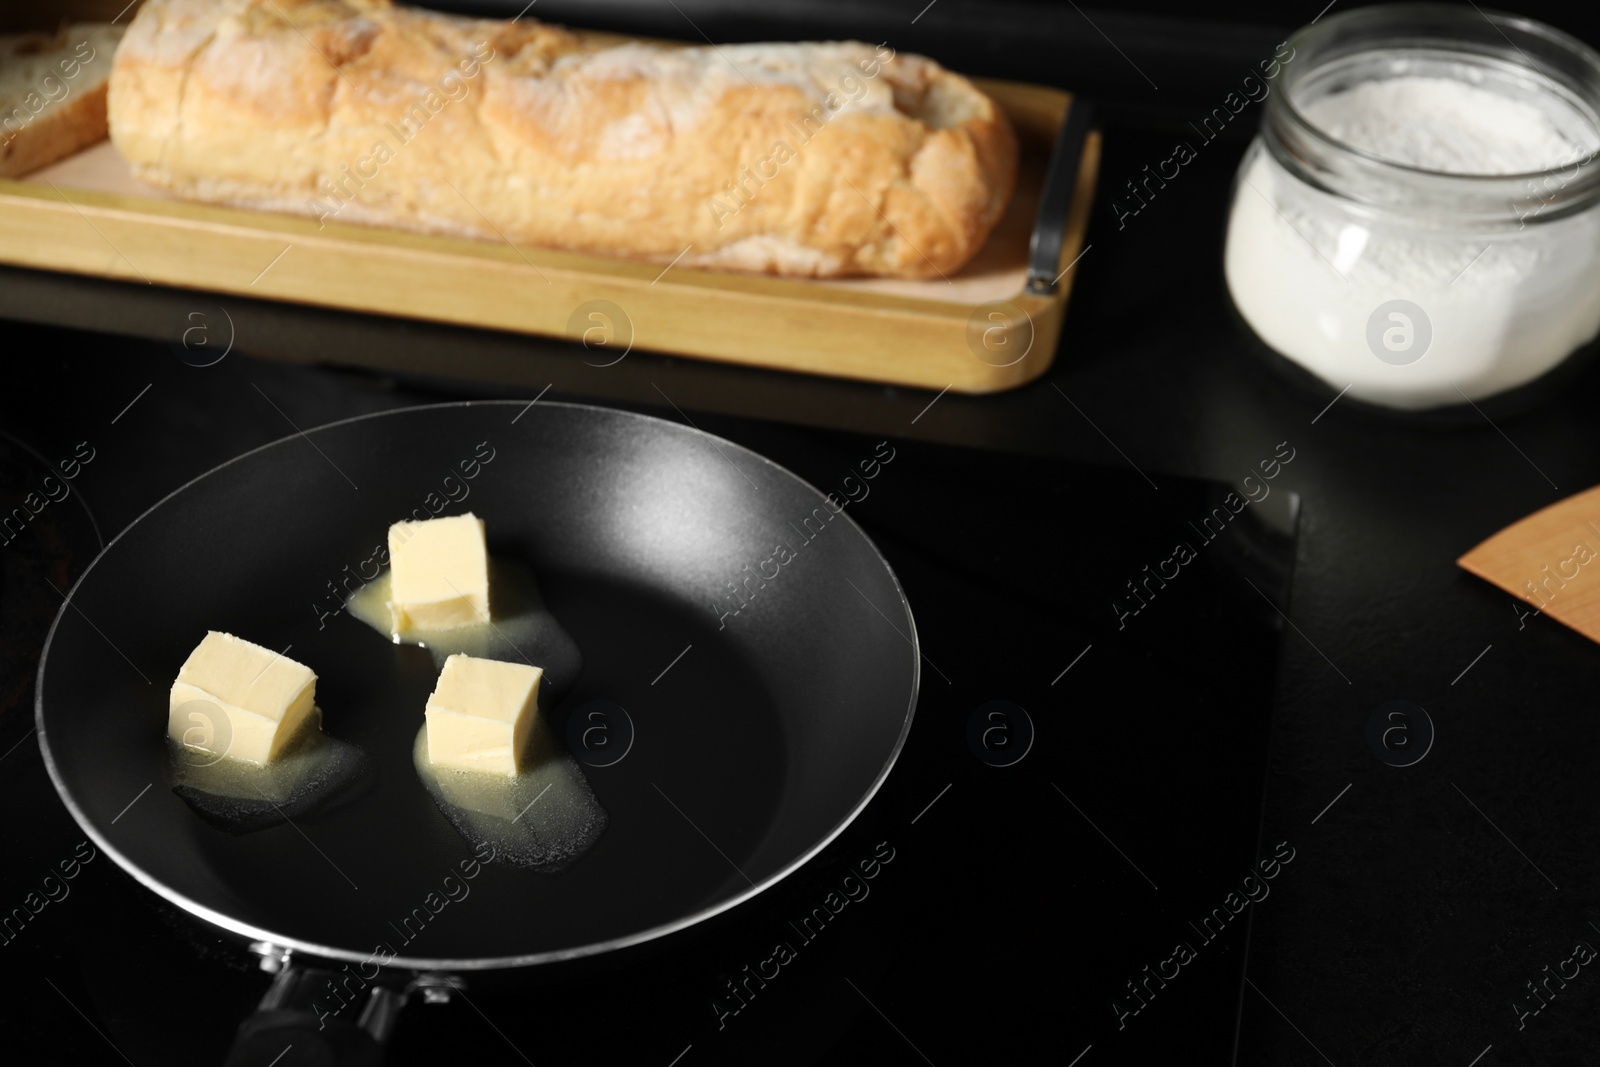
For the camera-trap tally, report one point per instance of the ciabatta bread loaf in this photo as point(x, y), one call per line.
point(53, 93)
point(799, 159)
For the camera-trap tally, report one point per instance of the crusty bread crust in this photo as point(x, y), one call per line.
point(46, 113)
point(814, 160)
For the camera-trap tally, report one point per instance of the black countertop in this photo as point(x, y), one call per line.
point(1422, 898)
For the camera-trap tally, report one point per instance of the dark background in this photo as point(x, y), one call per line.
point(1421, 902)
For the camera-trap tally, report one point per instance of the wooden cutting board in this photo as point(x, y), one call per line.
point(1551, 559)
point(981, 330)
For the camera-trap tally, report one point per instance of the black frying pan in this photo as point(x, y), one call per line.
point(758, 745)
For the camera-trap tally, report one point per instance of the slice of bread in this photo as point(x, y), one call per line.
point(53, 93)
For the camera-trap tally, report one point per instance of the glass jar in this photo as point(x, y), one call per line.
point(1410, 287)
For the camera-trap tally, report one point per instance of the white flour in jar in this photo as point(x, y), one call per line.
point(1443, 124)
point(1497, 308)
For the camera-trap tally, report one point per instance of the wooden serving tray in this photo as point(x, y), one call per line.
point(991, 326)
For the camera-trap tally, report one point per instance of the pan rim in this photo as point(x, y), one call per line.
point(422, 963)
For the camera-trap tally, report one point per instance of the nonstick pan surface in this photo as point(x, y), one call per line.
point(757, 736)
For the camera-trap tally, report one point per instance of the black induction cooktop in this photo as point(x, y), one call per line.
point(1066, 854)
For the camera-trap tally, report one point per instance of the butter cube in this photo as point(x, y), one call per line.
point(480, 714)
point(438, 574)
point(236, 699)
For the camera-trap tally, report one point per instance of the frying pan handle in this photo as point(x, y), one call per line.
point(288, 1029)
point(1055, 201)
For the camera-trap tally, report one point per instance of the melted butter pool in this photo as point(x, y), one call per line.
point(544, 819)
point(240, 797)
point(519, 628)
